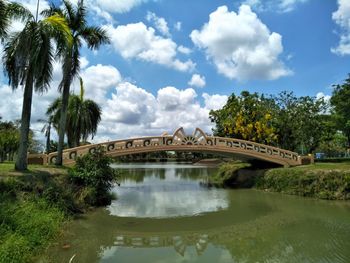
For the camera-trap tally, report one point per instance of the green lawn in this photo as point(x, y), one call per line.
point(7, 169)
point(325, 166)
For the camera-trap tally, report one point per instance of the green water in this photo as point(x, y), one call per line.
point(165, 213)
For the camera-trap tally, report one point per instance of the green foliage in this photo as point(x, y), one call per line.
point(248, 117)
point(9, 140)
point(299, 122)
point(340, 101)
point(93, 171)
point(83, 117)
point(28, 60)
point(290, 122)
point(94, 37)
point(319, 183)
point(26, 226)
point(227, 174)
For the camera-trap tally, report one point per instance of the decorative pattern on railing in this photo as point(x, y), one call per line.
point(180, 141)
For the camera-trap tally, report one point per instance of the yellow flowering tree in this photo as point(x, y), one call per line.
point(248, 117)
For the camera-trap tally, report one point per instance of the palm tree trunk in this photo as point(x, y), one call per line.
point(62, 124)
point(21, 162)
point(48, 138)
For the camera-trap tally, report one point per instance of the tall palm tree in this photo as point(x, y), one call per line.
point(83, 117)
point(28, 58)
point(93, 36)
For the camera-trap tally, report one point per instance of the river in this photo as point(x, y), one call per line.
point(166, 213)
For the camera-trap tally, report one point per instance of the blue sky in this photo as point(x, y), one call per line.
point(308, 34)
point(171, 61)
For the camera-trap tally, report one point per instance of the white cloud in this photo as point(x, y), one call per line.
point(321, 95)
point(197, 81)
point(159, 22)
point(289, 5)
point(214, 102)
point(98, 80)
point(178, 26)
point(138, 41)
point(132, 111)
point(184, 50)
point(171, 98)
point(32, 5)
point(282, 6)
point(84, 62)
point(241, 46)
point(118, 6)
point(130, 105)
point(342, 18)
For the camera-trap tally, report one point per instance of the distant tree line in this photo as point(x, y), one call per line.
point(303, 124)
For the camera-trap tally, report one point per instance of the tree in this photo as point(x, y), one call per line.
point(340, 102)
point(9, 140)
point(47, 131)
point(248, 117)
point(28, 58)
point(290, 122)
point(83, 117)
point(81, 31)
point(298, 122)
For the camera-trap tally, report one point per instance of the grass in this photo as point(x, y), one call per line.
point(26, 228)
point(33, 206)
point(227, 173)
point(325, 166)
point(321, 180)
point(7, 169)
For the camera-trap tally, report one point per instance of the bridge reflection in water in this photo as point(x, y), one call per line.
point(180, 243)
point(180, 141)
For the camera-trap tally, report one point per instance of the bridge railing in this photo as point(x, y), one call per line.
point(171, 143)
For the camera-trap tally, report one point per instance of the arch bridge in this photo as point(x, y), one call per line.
point(180, 141)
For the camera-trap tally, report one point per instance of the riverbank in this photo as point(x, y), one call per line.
point(29, 220)
point(329, 181)
point(35, 205)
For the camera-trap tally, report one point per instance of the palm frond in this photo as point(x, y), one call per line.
point(69, 12)
point(52, 10)
point(95, 36)
point(58, 28)
point(4, 20)
point(19, 12)
point(80, 16)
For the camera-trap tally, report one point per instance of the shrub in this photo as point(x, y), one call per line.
point(323, 184)
point(94, 172)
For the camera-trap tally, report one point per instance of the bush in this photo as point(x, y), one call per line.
point(93, 171)
point(323, 184)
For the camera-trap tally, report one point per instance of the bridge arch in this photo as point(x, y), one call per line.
point(198, 141)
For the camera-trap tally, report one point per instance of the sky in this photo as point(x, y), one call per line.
point(171, 61)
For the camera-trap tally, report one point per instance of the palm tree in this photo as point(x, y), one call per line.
point(93, 36)
point(83, 117)
point(28, 58)
point(47, 131)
